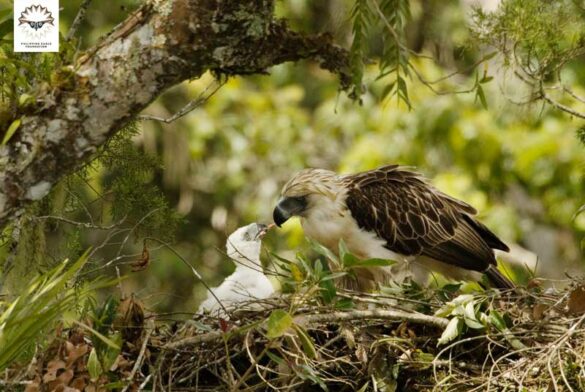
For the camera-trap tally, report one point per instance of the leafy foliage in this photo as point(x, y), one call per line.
point(556, 34)
point(393, 16)
point(471, 312)
point(361, 22)
point(47, 299)
point(24, 77)
point(106, 342)
point(129, 176)
point(394, 59)
point(539, 41)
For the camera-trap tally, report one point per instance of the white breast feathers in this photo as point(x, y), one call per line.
point(248, 282)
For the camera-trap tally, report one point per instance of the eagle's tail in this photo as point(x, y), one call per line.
point(497, 279)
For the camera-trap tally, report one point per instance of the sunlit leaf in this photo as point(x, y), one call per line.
point(11, 131)
point(470, 317)
point(278, 323)
point(451, 332)
point(296, 273)
point(93, 365)
point(481, 96)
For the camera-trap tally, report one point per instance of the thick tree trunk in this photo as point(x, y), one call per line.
point(163, 43)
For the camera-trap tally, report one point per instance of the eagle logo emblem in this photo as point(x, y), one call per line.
point(36, 21)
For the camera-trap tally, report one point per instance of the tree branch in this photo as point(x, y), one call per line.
point(160, 45)
point(79, 18)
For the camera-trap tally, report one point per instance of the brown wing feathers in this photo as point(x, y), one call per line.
point(416, 219)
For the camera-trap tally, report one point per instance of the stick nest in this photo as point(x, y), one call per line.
point(401, 339)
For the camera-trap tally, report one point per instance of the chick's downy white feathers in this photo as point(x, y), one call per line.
point(248, 281)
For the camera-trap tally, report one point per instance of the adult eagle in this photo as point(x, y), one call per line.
point(392, 213)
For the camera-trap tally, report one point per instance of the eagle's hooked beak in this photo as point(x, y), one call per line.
point(288, 207)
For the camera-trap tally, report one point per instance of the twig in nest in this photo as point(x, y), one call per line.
point(315, 319)
point(381, 314)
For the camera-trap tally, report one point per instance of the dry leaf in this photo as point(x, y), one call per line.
point(361, 354)
point(65, 377)
point(141, 264)
point(130, 319)
point(79, 383)
point(538, 311)
point(75, 352)
point(32, 387)
point(576, 302)
point(52, 368)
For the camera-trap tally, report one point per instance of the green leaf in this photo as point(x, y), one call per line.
point(344, 303)
point(375, 263)
point(480, 94)
point(497, 320)
point(305, 372)
point(286, 261)
point(296, 273)
point(451, 332)
point(334, 275)
point(387, 90)
point(306, 341)
point(323, 251)
point(470, 318)
point(46, 299)
point(116, 385)
point(350, 260)
point(93, 365)
point(276, 358)
point(6, 27)
point(421, 356)
point(111, 353)
point(328, 291)
point(109, 342)
point(11, 130)
point(5, 13)
point(347, 258)
point(25, 100)
point(342, 248)
point(318, 268)
point(278, 322)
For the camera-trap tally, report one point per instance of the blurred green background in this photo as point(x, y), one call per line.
point(222, 165)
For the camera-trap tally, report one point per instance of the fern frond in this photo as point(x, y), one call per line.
point(361, 16)
point(395, 56)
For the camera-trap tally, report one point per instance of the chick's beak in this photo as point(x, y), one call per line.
point(263, 229)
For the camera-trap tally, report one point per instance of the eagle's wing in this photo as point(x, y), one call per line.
point(414, 218)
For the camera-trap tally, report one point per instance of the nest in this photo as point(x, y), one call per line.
point(402, 339)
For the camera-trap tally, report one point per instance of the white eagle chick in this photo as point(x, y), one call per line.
point(248, 281)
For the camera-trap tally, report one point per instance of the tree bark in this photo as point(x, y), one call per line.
point(160, 45)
